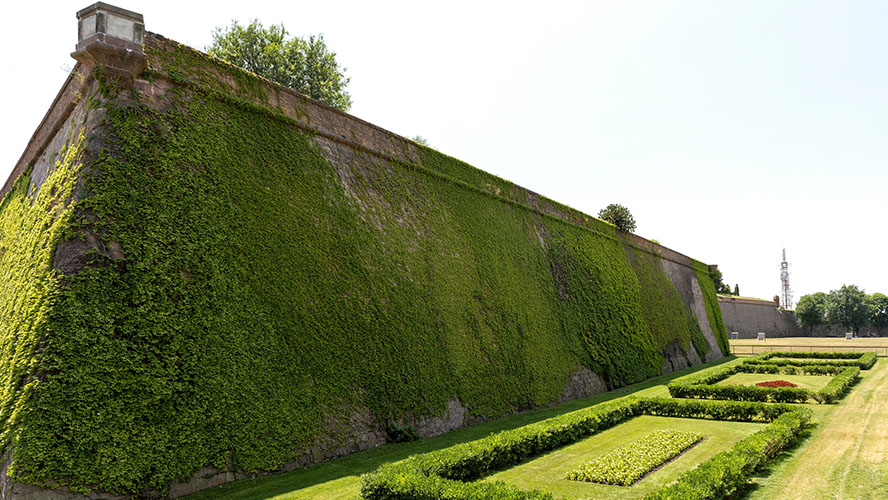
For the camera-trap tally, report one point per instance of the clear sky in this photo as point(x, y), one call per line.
point(731, 129)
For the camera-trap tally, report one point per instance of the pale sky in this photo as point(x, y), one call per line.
point(731, 129)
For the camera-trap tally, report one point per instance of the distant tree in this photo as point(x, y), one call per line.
point(421, 140)
point(811, 310)
point(304, 65)
point(619, 216)
point(879, 317)
point(848, 306)
point(737, 289)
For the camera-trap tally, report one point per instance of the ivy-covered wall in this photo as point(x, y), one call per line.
point(249, 282)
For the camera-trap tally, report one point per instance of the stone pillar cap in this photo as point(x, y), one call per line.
point(135, 16)
point(111, 38)
point(109, 22)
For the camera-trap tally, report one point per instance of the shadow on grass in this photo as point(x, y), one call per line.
point(773, 465)
point(266, 487)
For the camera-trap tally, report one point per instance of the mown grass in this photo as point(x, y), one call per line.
point(816, 341)
point(339, 479)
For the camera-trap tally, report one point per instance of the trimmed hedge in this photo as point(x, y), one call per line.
point(864, 361)
point(442, 474)
point(838, 386)
point(704, 385)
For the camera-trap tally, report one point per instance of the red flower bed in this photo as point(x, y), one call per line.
point(776, 383)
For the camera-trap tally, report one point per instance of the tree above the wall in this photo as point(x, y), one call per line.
point(305, 65)
point(619, 216)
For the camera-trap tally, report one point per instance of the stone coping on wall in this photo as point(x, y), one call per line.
point(747, 300)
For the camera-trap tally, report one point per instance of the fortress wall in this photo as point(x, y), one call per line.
point(748, 317)
point(255, 282)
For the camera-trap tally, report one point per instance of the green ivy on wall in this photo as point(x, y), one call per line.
point(273, 285)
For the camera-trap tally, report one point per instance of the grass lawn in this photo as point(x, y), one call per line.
point(339, 479)
point(815, 341)
point(813, 382)
point(546, 473)
point(746, 347)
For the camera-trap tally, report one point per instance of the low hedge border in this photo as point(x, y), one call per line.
point(864, 361)
point(449, 474)
point(704, 385)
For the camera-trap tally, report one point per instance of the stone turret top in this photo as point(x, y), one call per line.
point(110, 38)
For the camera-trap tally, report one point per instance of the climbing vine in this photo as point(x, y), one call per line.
point(270, 287)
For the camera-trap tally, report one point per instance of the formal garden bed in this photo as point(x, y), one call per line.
point(632, 461)
point(453, 473)
point(843, 368)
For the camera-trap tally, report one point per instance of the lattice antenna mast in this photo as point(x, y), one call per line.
point(784, 282)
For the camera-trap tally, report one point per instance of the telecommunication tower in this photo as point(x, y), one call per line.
point(784, 282)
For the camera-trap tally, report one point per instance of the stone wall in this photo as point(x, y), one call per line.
point(839, 331)
point(748, 317)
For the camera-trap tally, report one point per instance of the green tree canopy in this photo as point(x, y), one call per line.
point(879, 317)
point(720, 286)
point(848, 306)
point(811, 310)
point(305, 65)
point(619, 216)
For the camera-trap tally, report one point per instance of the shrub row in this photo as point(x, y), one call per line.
point(725, 473)
point(704, 385)
point(741, 393)
point(838, 386)
point(790, 369)
point(864, 361)
point(629, 463)
point(441, 474)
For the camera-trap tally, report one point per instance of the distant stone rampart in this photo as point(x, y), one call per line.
point(750, 316)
